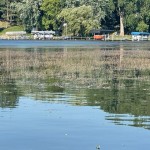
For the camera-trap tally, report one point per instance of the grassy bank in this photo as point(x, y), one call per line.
point(10, 29)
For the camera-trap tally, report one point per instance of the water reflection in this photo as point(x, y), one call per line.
point(8, 94)
point(8, 90)
point(132, 99)
point(115, 78)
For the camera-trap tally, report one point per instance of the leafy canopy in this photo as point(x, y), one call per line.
point(50, 9)
point(80, 20)
point(29, 13)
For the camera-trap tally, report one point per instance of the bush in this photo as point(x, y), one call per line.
point(142, 26)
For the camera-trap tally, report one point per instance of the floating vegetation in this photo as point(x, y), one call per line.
point(92, 68)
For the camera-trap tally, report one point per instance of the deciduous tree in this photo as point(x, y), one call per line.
point(50, 9)
point(80, 20)
point(29, 13)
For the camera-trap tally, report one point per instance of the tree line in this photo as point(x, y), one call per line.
point(78, 16)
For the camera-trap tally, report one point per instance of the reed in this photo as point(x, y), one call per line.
point(81, 67)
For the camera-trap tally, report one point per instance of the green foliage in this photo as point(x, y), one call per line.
point(29, 13)
point(50, 10)
point(7, 12)
point(2, 4)
point(80, 20)
point(13, 28)
point(99, 7)
point(142, 26)
point(145, 11)
point(131, 22)
point(129, 15)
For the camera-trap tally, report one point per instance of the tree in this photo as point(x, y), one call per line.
point(137, 15)
point(70, 3)
point(6, 11)
point(127, 10)
point(110, 21)
point(80, 20)
point(2, 4)
point(144, 13)
point(29, 13)
point(131, 17)
point(100, 8)
point(142, 26)
point(50, 9)
point(120, 6)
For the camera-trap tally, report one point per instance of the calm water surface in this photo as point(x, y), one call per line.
point(74, 95)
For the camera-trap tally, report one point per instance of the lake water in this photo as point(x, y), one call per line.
point(74, 95)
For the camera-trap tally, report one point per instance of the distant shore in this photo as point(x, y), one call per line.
point(30, 37)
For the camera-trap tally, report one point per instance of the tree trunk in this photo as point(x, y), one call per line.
point(121, 25)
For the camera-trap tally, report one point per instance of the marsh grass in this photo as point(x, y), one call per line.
point(77, 67)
